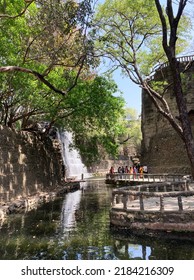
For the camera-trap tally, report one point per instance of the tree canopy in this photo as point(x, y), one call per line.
point(47, 73)
point(139, 36)
point(129, 34)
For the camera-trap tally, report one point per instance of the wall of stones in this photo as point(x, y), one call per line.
point(162, 149)
point(28, 165)
point(152, 220)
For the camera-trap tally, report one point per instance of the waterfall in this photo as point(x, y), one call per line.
point(71, 157)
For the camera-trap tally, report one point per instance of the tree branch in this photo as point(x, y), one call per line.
point(40, 77)
point(28, 3)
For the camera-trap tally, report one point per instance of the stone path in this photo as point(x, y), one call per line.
point(153, 204)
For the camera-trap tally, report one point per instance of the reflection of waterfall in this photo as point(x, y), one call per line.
point(70, 205)
point(71, 157)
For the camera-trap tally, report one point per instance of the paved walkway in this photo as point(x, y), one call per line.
point(153, 203)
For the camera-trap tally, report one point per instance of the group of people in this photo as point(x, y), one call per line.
point(131, 170)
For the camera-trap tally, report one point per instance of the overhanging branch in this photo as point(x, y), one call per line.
point(40, 77)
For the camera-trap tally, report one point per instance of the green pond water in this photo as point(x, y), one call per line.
point(76, 227)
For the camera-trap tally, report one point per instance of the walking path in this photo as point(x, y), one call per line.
point(166, 196)
point(164, 206)
point(153, 204)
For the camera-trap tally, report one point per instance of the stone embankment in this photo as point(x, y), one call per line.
point(30, 170)
point(22, 204)
point(156, 207)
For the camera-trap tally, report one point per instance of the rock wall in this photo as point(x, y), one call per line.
point(152, 220)
point(104, 166)
point(27, 164)
point(162, 149)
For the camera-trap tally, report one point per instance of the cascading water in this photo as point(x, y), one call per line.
point(71, 157)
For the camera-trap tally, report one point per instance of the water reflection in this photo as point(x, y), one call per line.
point(76, 227)
point(125, 250)
point(69, 208)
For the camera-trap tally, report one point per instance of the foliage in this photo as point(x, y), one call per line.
point(50, 38)
point(129, 33)
point(139, 36)
point(97, 126)
point(133, 126)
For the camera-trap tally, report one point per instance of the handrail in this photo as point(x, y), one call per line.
point(182, 59)
point(120, 197)
point(144, 177)
point(186, 58)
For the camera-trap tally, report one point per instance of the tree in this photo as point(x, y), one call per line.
point(44, 50)
point(99, 123)
point(45, 35)
point(130, 34)
point(47, 75)
point(133, 123)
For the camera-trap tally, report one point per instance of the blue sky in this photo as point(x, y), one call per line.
point(131, 92)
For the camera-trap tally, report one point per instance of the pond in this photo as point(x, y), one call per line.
point(76, 227)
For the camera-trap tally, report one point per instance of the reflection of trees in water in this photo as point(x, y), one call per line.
point(172, 250)
point(38, 234)
point(125, 250)
point(88, 242)
point(145, 248)
point(26, 236)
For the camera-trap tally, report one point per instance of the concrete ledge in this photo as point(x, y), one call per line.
point(150, 220)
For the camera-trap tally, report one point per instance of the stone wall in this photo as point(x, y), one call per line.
point(28, 165)
point(104, 166)
point(162, 149)
point(152, 220)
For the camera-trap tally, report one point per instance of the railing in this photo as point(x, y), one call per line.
point(182, 59)
point(144, 177)
point(134, 200)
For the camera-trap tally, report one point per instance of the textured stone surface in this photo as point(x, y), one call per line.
point(162, 149)
point(173, 221)
point(27, 164)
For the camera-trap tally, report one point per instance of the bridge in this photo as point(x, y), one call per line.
point(129, 179)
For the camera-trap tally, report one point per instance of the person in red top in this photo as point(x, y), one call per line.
point(126, 169)
point(112, 170)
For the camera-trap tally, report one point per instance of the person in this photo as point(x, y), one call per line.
point(134, 171)
point(119, 169)
point(141, 171)
point(145, 169)
point(112, 170)
point(123, 169)
point(126, 169)
point(131, 172)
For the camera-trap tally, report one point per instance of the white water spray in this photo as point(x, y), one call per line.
point(71, 157)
